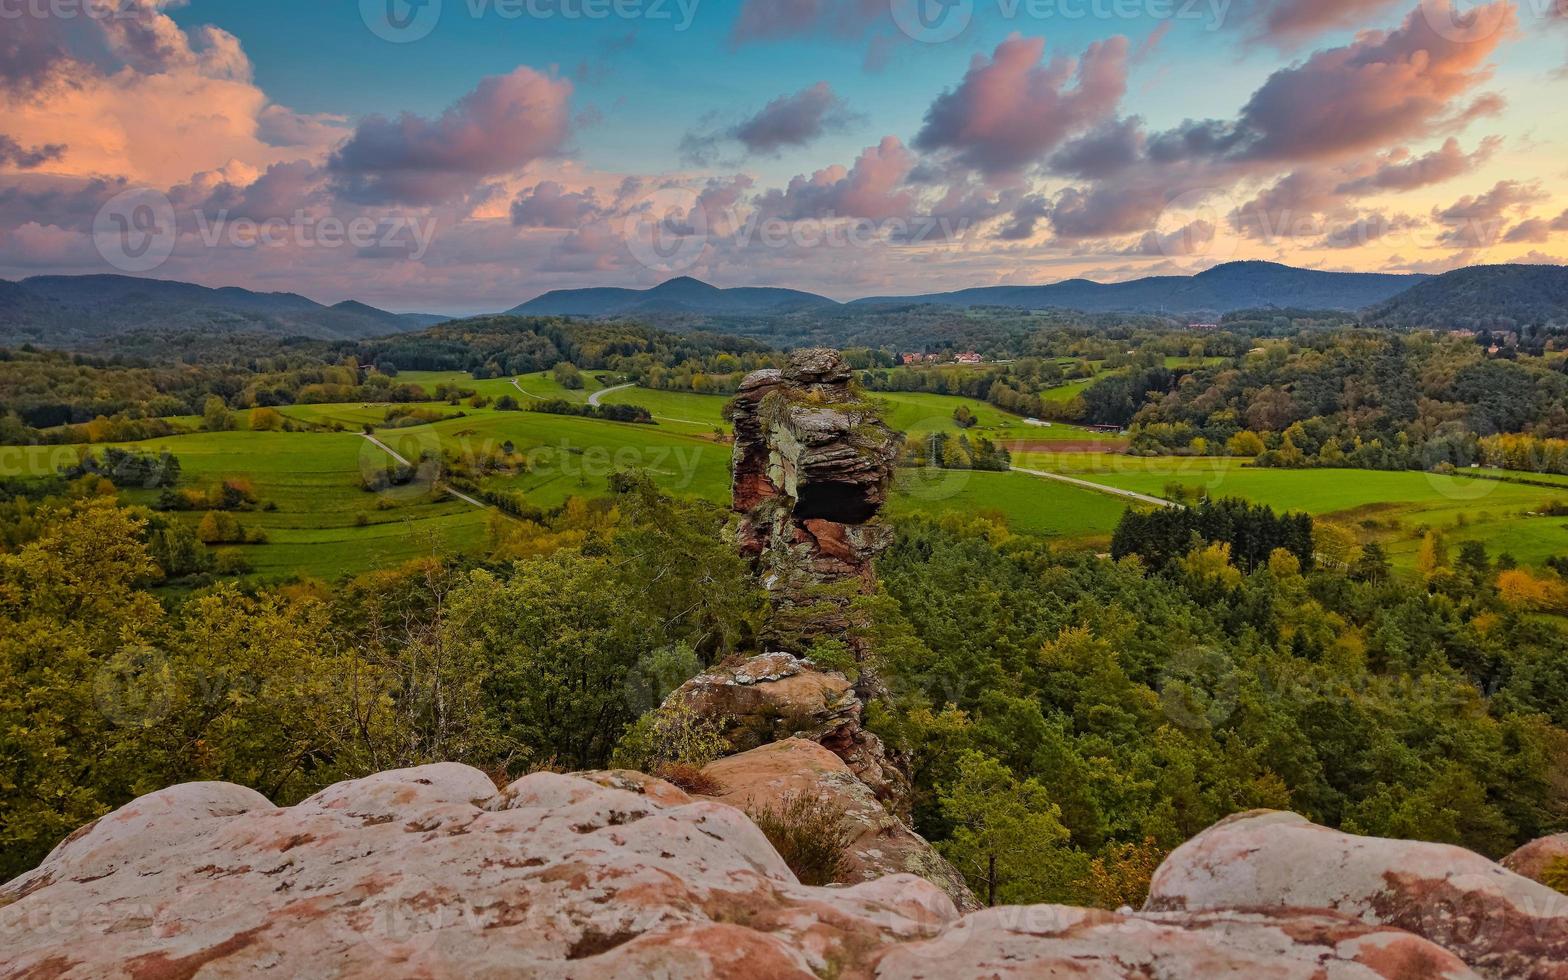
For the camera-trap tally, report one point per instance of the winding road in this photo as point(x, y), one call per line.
point(465, 498)
point(595, 398)
point(1141, 498)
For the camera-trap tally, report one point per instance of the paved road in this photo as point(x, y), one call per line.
point(465, 498)
point(598, 396)
point(525, 391)
point(1142, 498)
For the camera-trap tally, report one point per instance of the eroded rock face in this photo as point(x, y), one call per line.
point(1501, 924)
point(1535, 858)
point(1055, 941)
point(765, 778)
point(432, 873)
point(778, 696)
point(812, 468)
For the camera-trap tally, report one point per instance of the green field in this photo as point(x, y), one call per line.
point(1393, 508)
point(1030, 504)
point(321, 522)
point(314, 481)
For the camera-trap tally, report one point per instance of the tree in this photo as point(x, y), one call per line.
point(215, 415)
point(1432, 557)
point(1008, 839)
point(265, 420)
point(568, 376)
point(1248, 444)
point(562, 640)
point(964, 417)
point(1372, 565)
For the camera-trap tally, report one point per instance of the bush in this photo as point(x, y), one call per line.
point(811, 835)
point(1556, 875)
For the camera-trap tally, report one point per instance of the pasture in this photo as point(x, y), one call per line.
point(319, 521)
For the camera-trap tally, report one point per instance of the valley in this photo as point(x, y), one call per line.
point(320, 523)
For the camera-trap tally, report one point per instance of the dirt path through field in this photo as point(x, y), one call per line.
point(465, 498)
point(1142, 498)
point(598, 396)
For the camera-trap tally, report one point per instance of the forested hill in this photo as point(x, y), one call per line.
point(85, 311)
point(683, 295)
point(1222, 289)
point(498, 346)
point(1482, 297)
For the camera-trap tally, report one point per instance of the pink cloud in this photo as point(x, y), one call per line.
point(1383, 87)
point(549, 205)
point(873, 188)
point(1289, 22)
point(1402, 172)
point(507, 122)
point(786, 122)
point(1478, 220)
point(1011, 110)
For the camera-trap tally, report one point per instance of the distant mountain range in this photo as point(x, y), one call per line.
point(81, 311)
point(1222, 289)
point(62, 311)
point(683, 295)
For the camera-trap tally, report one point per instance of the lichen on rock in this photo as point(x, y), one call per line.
point(433, 873)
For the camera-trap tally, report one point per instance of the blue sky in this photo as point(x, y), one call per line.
point(1328, 133)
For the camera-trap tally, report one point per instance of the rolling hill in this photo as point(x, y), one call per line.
point(1505, 296)
point(683, 295)
point(61, 311)
point(1222, 289)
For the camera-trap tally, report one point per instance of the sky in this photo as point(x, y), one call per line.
point(464, 156)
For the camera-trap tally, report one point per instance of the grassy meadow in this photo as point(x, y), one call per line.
point(319, 521)
point(1392, 508)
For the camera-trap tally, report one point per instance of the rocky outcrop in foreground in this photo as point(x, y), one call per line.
point(1500, 923)
point(432, 873)
point(1537, 858)
point(778, 696)
point(766, 778)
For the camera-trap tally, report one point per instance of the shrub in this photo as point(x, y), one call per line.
point(1556, 875)
point(811, 835)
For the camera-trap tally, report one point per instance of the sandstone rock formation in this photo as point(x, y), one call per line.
point(812, 467)
point(778, 696)
point(763, 779)
point(432, 873)
point(1048, 941)
point(1501, 924)
point(1537, 857)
